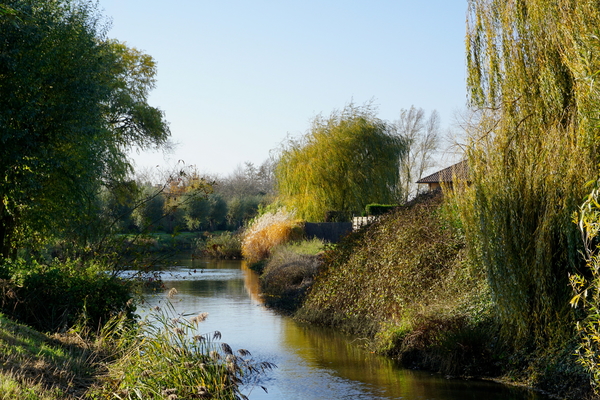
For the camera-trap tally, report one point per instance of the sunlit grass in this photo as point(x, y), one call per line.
point(41, 367)
point(309, 247)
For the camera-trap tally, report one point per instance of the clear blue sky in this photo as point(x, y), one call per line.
point(236, 77)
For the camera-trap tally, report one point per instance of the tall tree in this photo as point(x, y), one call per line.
point(71, 102)
point(422, 137)
point(533, 74)
point(345, 162)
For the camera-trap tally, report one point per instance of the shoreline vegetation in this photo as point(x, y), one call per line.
point(406, 283)
point(163, 356)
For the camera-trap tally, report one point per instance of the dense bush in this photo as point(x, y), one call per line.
point(287, 277)
point(227, 245)
point(57, 296)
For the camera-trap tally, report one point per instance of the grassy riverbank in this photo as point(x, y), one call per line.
point(94, 346)
point(165, 357)
point(406, 284)
point(36, 366)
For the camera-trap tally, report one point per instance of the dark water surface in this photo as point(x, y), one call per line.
point(313, 363)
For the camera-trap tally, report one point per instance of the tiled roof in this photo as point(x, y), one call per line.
point(460, 170)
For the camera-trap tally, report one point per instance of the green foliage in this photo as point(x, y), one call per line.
point(77, 103)
point(345, 162)
point(150, 215)
point(218, 211)
point(586, 287)
point(166, 357)
point(197, 211)
point(57, 296)
point(241, 209)
point(532, 150)
point(227, 245)
point(202, 210)
point(118, 203)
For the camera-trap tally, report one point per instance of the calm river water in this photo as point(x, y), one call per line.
point(313, 363)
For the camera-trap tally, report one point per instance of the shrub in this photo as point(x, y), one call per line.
point(267, 231)
point(225, 246)
point(287, 277)
point(58, 295)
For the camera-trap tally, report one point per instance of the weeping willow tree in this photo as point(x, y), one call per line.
point(342, 164)
point(532, 68)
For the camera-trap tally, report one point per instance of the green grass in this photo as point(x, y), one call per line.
point(308, 247)
point(36, 366)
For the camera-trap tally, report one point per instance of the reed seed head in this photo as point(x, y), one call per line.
point(199, 318)
point(226, 348)
point(178, 331)
point(244, 352)
point(172, 293)
point(231, 367)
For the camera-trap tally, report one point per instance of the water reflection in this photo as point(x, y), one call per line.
point(314, 363)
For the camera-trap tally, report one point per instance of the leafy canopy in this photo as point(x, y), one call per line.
point(344, 162)
point(532, 73)
point(71, 103)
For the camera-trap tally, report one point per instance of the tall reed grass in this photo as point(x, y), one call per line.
point(166, 357)
point(268, 231)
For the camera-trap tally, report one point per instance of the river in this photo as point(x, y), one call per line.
point(313, 363)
